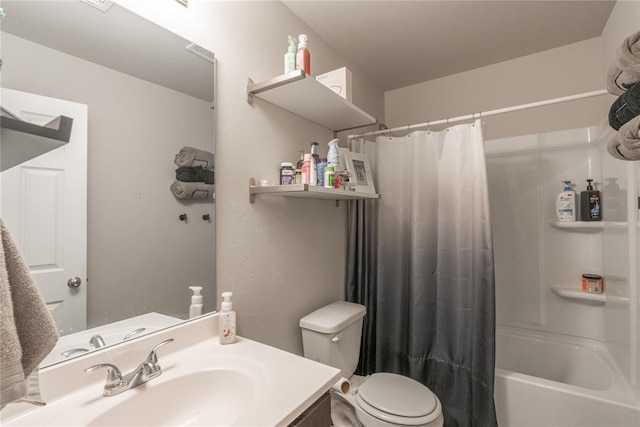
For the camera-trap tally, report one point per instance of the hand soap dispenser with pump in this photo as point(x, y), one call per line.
point(227, 320)
point(195, 309)
point(303, 57)
point(290, 56)
point(566, 203)
point(590, 209)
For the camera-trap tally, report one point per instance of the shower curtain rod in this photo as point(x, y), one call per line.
point(483, 114)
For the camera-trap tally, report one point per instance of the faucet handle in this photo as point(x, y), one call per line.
point(114, 376)
point(152, 358)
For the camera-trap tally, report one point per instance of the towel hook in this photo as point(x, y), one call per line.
point(183, 217)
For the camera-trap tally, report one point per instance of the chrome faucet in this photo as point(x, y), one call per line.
point(147, 370)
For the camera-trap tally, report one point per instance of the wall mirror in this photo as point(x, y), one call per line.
point(137, 95)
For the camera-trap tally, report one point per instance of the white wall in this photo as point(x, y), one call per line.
point(140, 256)
point(282, 258)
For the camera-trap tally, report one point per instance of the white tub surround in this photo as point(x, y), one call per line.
point(275, 386)
point(546, 379)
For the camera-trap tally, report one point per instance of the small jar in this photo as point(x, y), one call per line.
point(287, 173)
point(592, 283)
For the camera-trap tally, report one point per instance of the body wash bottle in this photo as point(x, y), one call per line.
point(227, 320)
point(590, 209)
point(566, 203)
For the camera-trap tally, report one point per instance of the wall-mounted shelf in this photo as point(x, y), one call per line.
point(307, 192)
point(579, 295)
point(22, 141)
point(301, 94)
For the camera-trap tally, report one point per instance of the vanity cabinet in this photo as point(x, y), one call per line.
point(316, 415)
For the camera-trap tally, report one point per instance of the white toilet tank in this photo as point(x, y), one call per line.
point(331, 335)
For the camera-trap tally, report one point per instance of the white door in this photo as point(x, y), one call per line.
point(44, 205)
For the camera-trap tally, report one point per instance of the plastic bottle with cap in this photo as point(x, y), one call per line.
point(303, 57)
point(290, 56)
point(227, 320)
point(196, 302)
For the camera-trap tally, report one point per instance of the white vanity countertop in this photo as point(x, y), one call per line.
point(282, 386)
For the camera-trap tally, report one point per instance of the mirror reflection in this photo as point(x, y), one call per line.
point(112, 249)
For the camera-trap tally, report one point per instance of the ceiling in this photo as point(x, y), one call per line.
point(400, 43)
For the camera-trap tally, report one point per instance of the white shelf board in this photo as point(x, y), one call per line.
point(308, 192)
point(578, 294)
point(301, 94)
point(587, 225)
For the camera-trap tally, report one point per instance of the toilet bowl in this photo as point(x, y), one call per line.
point(331, 335)
point(385, 400)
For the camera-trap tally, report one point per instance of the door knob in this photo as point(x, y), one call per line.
point(74, 282)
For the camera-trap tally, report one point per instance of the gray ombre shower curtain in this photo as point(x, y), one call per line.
point(421, 260)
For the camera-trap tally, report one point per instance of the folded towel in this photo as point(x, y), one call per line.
point(624, 69)
point(195, 174)
point(193, 190)
point(626, 107)
point(189, 156)
point(625, 145)
point(27, 329)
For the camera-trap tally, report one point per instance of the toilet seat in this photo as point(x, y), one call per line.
point(398, 400)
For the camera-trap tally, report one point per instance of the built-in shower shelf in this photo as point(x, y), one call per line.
point(587, 226)
point(579, 294)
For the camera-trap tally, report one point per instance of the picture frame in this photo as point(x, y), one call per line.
point(360, 172)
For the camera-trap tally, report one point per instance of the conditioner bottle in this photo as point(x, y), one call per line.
point(227, 320)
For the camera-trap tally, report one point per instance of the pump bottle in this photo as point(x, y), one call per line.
point(196, 302)
point(303, 57)
point(590, 209)
point(227, 320)
point(566, 203)
point(290, 56)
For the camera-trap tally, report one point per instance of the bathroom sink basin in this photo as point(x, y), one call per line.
point(212, 397)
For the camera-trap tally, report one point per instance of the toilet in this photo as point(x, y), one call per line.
point(331, 335)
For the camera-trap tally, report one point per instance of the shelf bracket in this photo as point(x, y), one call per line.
point(249, 94)
point(252, 183)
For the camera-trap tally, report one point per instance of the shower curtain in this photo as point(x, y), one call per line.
point(421, 260)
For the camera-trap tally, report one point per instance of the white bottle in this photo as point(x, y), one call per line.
point(333, 156)
point(195, 309)
point(290, 56)
point(227, 320)
point(566, 203)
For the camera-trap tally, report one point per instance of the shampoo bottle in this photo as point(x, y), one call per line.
point(333, 159)
point(195, 309)
point(566, 203)
point(315, 158)
point(290, 56)
point(303, 57)
point(227, 320)
point(590, 209)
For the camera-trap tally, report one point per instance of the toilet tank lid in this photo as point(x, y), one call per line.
point(334, 317)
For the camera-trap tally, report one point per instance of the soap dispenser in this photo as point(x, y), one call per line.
point(590, 209)
point(227, 320)
point(196, 302)
point(566, 203)
point(290, 56)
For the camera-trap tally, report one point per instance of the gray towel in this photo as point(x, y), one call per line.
point(624, 69)
point(625, 145)
point(189, 156)
point(193, 190)
point(27, 330)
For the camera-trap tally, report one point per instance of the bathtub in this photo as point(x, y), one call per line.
point(545, 379)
